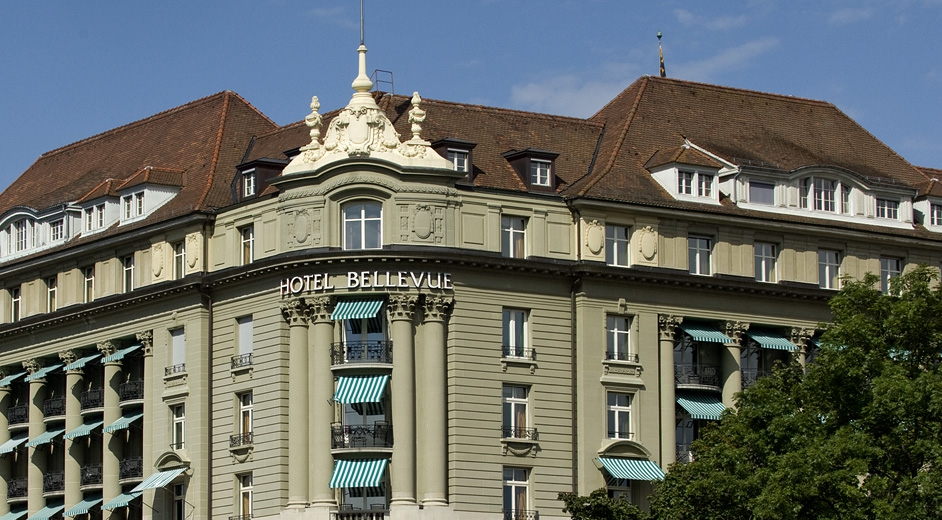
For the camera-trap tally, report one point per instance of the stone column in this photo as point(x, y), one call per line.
point(146, 339)
point(667, 328)
point(401, 311)
point(74, 448)
point(433, 436)
point(295, 313)
point(731, 365)
point(111, 447)
point(322, 407)
point(802, 339)
point(6, 461)
point(37, 454)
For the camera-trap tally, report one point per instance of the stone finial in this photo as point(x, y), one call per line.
point(667, 325)
point(314, 120)
point(416, 117)
point(437, 308)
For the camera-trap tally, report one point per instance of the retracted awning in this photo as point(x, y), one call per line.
point(632, 469)
point(83, 507)
point(41, 373)
point(47, 512)
point(701, 405)
point(771, 340)
point(83, 430)
point(158, 480)
point(356, 309)
point(123, 422)
point(358, 473)
point(703, 332)
point(8, 380)
point(80, 363)
point(45, 437)
point(14, 515)
point(11, 444)
point(121, 500)
point(119, 355)
point(360, 389)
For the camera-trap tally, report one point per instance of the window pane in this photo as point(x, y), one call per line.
point(353, 234)
point(761, 193)
point(372, 234)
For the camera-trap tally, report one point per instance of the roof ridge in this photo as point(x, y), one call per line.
point(486, 108)
point(109, 180)
point(220, 132)
point(133, 124)
point(747, 91)
point(250, 105)
point(610, 101)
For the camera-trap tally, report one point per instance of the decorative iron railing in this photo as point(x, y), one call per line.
point(53, 482)
point(521, 514)
point(54, 407)
point(696, 374)
point(751, 375)
point(361, 514)
point(90, 475)
point(17, 488)
point(131, 468)
point(518, 352)
point(94, 398)
point(517, 432)
point(241, 439)
point(617, 355)
point(179, 368)
point(242, 360)
point(17, 414)
point(361, 352)
point(131, 390)
point(684, 453)
point(375, 436)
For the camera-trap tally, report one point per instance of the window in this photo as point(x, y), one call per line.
point(99, 216)
point(888, 209)
point(685, 183)
point(935, 214)
point(513, 236)
point(890, 268)
point(515, 333)
point(179, 259)
point(52, 289)
point(246, 413)
point(128, 203)
point(95, 217)
point(248, 183)
point(88, 287)
point(765, 261)
point(19, 235)
point(618, 488)
point(822, 195)
point(178, 416)
point(619, 415)
point(139, 203)
point(829, 263)
point(56, 230)
point(515, 412)
point(516, 486)
point(698, 255)
point(363, 225)
point(458, 159)
point(178, 511)
point(248, 244)
point(245, 495)
point(539, 172)
point(761, 193)
point(687, 180)
point(704, 185)
point(127, 263)
point(617, 242)
point(178, 349)
point(618, 333)
point(246, 335)
point(89, 219)
point(15, 303)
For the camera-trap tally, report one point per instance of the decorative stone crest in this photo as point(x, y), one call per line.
point(301, 230)
point(422, 221)
point(437, 308)
point(594, 236)
point(192, 250)
point(401, 307)
point(295, 312)
point(157, 259)
point(667, 325)
point(146, 338)
point(648, 241)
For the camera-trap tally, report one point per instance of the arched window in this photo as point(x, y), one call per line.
point(363, 225)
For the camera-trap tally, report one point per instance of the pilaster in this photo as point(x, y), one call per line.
point(146, 340)
point(667, 329)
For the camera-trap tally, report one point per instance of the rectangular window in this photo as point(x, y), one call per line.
point(247, 234)
point(704, 185)
point(516, 491)
point(766, 255)
point(19, 234)
point(515, 424)
point(88, 283)
point(139, 203)
point(179, 259)
point(513, 236)
point(935, 214)
point(458, 159)
point(761, 193)
point(15, 303)
point(128, 204)
point(363, 225)
point(178, 416)
point(890, 268)
point(52, 290)
point(89, 219)
point(178, 511)
point(617, 245)
point(888, 209)
point(56, 230)
point(246, 413)
point(515, 333)
point(618, 332)
point(178, 347)
point(698, 255)
point(618, 488)
point(539, 172)
point(245, 495)
point(246, 334)
point(99, 216)
point(829, 264)
point(127, 264)
point(824, 190)
point(685, 183)
point(845, 199)
point(619, 415)
point(248, 183)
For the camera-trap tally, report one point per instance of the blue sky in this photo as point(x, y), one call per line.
point(73, 69)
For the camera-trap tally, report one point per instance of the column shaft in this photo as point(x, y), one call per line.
point(432, 413)
point(667, 326)
point(298, 406)
point(6, 461)
point(37, 454)
point(111, 444)
point(74, 448)
point(402, 468)
point(731, 367)
point(322, 408)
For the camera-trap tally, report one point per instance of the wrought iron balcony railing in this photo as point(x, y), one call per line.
point(684, 453)
point(53, 482)
point(54, 407)
point(131, 468)
point(91, 475)
point(361, 352)
point(241, 439)
point(696, 374)
point(361, 514)
point(518, 352)
point(751, 375)
point(521, 514)
point(17, 488)
point(131, 390)
point(242, 360)
point(93, 398)
point(179, 368)
point(376, 436)
point(620, 435)
point(617, 355)
point(517, 432)
point(17, 414)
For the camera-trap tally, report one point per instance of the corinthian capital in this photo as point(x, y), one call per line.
point(295, 312)
point(667, 325)
point(31, 366)
point(319, 308)
point(106, 348)
point(146, 337)
point(68, 357)
point(736, 330)
point(801, 337)
point(437, 308)
point(401, 307)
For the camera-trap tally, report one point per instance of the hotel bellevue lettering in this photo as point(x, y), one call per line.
point(322, 282)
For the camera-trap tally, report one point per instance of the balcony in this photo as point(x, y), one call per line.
point(173, 370)
point(131, 391)
point(241, 439)
point(751, 375)
point(94, 398)
point(521, 514)
point(53, 482)
point(516, 432)
point(17, 488)
point(360, 514)
point(684, 453)
point(697, 375)
point(131, 468)
point(241, 361)
point(18, 414)
point(615, 355)
point(54, 407)
point(349, 352)
point(91, 475)
point(377, 436)
point(517, 352)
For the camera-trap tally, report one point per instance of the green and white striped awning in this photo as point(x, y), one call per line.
point(123, 422)
point(8, 380)
point(358, 473)
point(701, 405)
point(119, 355)
point(121, 500)
point(704, 332)
point(47, 512)
point(83, 430)
point(631, 469)
point(80, 363)
point(10, 445)
point(45, 437)
point(83, 507)
point(42, 372)
point(356, 309)
point(360, 389)
point(14, 515)
point(158, 480)
point(771, 340)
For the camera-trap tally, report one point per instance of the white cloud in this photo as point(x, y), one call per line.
point(730, 59)
point(335, 15)
point(720, 23)
point(849, 15)
point(569, 95)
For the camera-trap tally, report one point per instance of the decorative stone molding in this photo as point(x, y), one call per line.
point(667, 326)
point(621, 368)
point(295, 312)
point(374, 180)
point(437, 308)
point(647, 241)
point(107, 348)
point(401, 307)
point(520, 447)
point(801, 337)
point(319, 308)
point(146, 338)
point(422, 221)
point(157, 259)
point(68, 357)
point(31, 366)
point(192, 250)
point(736, 330)
point(594, 236)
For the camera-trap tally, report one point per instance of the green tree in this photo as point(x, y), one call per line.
point(858, 435)
point(598, 506)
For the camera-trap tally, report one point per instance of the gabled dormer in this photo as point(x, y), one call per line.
point(145, 191)
point(688, 173)
point(535, 168)
point(254, 177)
point(458, 152)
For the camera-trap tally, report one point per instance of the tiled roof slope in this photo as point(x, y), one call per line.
point(203, 140)
point(931, 185)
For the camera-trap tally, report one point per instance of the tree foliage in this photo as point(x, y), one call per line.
point(858, 435)
point(598, 506)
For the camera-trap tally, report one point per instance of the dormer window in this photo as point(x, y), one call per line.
point(535, 167)
point(248, 183)
point(95, 217)
point(823, 195)
point(540, 172)
point(458, 159)
point(690, 180)
point(457, 152)
point(133, 205)
point(56, 230)
point(935, 214)
point(887, 208)
point(685, 182)
point(761, 193)
point(19, 235)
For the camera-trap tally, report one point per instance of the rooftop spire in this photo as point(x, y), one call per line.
point(660, 53)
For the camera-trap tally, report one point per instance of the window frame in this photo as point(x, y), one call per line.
point(127, 273)
point(56, 230)
point(935, 214)
point(178, 426)
point(246, 494)
point(249, 180)
point(245, 334)
point(511, 235)
point(88, 283)
point(246, 412)
point(52, 293)
point(766, 262)
point(618, 344)
point(178, 346)
point(247, 244)
point(515, 325)
point(541, 172)
point(695, 252)
point(755, 182)
point(360, 221)
point(460, 159)
point(16, 303)
point(512, 487)
point(515, 410)
point(617, 240)
point(179, 259)
point(178, 509)
point(889, 271)
point(614, 412)
point(826, 279)
point(887, 208)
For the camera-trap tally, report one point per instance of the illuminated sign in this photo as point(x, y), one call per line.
point(322, 282)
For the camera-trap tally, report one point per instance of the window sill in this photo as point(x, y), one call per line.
point(622, 367)
point(519, 447)
point(175, 379)
point(518, 362)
